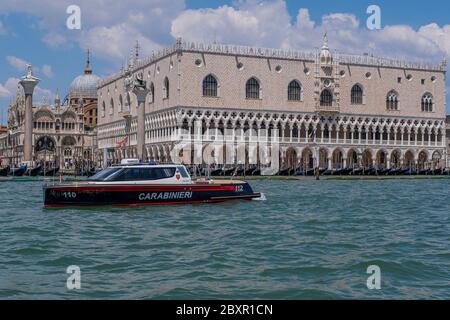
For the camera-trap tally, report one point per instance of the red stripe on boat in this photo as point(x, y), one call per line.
point(140, 188)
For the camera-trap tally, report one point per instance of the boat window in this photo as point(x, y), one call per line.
point(183, 172)
point(104, 174)
point(139, 174)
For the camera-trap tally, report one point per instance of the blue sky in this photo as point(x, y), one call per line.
point(34, 31)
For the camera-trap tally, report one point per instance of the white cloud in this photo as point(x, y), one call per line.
point(268, 23)
point(3, 30)
point(47, 71)
point(439, 36)
point(116, 42)
point(19, 64)
point(54, 39)
point(250, 23)
point(10, 87)
point(115, 24)
point(4, 92)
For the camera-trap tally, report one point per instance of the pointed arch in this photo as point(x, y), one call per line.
point(210, 86)
point(326, 98)
point(295, 91)
point(357, 95)
point(166, 88)
point(392, 100)
point(253, 89)
point(427, 102)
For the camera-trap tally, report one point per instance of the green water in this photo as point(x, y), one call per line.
point(309, 239)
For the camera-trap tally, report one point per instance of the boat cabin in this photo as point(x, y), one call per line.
point(143, 173)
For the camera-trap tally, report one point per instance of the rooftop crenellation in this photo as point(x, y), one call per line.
point(249, 51)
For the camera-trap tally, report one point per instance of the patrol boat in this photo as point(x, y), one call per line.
point(135, 184)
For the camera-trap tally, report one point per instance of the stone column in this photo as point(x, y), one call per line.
point(139, 87)
point(28, 82)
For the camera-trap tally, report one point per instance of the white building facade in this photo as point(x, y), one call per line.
point(329, 110)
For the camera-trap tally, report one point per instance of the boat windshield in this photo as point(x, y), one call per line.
point(104, 174)
point(140, 174)
point(183, 172)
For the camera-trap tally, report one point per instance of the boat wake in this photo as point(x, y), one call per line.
point(262, 198)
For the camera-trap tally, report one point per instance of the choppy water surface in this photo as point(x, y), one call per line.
point(310, 239)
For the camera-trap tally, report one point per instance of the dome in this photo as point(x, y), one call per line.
point(85, 85)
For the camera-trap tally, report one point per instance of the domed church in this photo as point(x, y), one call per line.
point(83, 92)
point(63, 133)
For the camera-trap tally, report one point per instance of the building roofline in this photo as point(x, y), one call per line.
point(272, 53)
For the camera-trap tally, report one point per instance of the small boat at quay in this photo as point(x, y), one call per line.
point(49, 172)
point(18, 172)
point(4, 172)
point(33, 172)
point(135, 184)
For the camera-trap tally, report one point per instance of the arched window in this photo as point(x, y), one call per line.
point(152, 93)
point(210, 86)
point(392, 100)
point(326, 98)
point(166, 88)
point(111, 107)
point(128, 102)
point(427, 102)
point(252, 89)
point(357, 95)
point(103, 109)
point(120, 103)
point(295, 91)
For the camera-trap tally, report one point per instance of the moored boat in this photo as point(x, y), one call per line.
point(4, 172)
point(18, 172)
point(140, 184)
point(33, 172)
point(49, 172)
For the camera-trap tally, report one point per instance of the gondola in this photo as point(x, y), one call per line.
point(49, 172)
point(370, 172)
point(300, 172)
point(346, 171)
point(4, 172)
point(18, 172)
point(383, 172)
point(357, 171)
point(216, 172)
point(328, 172)
point(409, 172)
point(284, 172)
point(249, 171)
point(239, 172)
point(438, 171)
point(228, 171)
point(256, 172)
point(424, 172)
point(394, 172)
point(33, 172)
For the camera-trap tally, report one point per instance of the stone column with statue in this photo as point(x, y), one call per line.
point(28, 82)
point(137, 85)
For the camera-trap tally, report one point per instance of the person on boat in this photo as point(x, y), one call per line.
point(317, 173)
